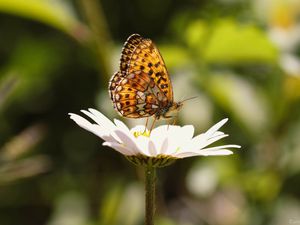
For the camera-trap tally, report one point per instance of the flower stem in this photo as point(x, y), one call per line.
point(93, 11)
point(150, 179)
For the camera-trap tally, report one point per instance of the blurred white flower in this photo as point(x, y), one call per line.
point(285, 39)
point(163, 142)
point(202, 180)
point(290, 64)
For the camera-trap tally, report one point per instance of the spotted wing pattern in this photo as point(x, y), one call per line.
point(142, 87)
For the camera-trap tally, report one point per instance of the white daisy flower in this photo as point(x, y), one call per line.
point(161, 146)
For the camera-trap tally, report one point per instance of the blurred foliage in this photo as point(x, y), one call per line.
point(240, 57)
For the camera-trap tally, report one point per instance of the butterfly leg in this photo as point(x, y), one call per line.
point(146, 125)
point(153, 124)
point(169, 122)
point(175, 120)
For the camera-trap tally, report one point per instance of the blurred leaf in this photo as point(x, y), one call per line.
point(7, 86)
point(290, 154)
point(22, 143)
point(165, 221)
point(52, 12)
point(123, 205)
point(234, 43)
point(174, 55)
point(110, 203)
point(196, 34)
point(12, 168)
point(262, 185)
point(20, 169)
point(32, 63)
point(292, 87)
point(241, 99)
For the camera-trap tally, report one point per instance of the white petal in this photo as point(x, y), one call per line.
point(127, 140)
point(102, 120)
point(217, 133)
point(159, 130)
point(120, 148)
point(174, 139)
point(199, 140)
point(152, 149)
point(179, 138)
point(99, 121)
point(164, 147)
point(143, 145)
point(218, 152)
point(186, 133)
point(109, 138)
point(221, 147)
point(199, 143)
point(167, 139)
point(158, 136)
point(94, 128)
point(82, 122)
point(203, 153)
point(215, 138)
point(121, 125)
point(85, 124)
point(216, 127)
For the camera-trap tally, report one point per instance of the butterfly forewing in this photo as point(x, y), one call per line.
point(129, 47)
point(142, 87)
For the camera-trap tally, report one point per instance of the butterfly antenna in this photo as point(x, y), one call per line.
point(184, 100)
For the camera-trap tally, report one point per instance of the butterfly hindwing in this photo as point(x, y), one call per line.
point(130, 98)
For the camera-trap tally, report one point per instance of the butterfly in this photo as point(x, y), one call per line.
point(142, 86)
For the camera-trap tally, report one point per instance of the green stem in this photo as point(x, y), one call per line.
point(150, 179)
point(96, 20)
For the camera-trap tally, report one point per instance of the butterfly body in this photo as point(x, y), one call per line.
point(168, 111)
point(142, 87)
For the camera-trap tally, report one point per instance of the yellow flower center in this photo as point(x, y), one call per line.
point(145, 133)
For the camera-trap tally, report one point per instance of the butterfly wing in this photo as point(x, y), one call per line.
point(131, 99)
point(142, 86)
point(144, 57)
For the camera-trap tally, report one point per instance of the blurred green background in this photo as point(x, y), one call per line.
point(240, 57)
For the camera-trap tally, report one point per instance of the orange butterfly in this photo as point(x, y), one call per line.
point(142, 87)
